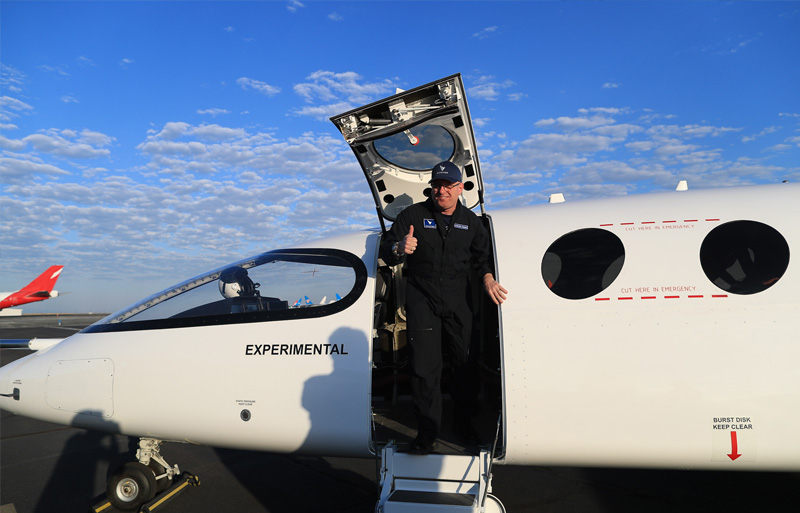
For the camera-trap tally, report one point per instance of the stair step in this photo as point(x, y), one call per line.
point(417, 501)
point(441, 498)
point(433, 483)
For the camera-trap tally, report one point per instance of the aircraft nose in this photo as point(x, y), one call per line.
point(9, 393)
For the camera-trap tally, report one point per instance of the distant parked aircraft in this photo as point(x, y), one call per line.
point(38, 290)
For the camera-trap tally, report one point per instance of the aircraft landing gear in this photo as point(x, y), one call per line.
point(135, 483)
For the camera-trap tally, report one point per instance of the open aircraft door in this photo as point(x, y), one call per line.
point(399, 139)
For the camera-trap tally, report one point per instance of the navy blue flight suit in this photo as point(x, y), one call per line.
point(438, 303)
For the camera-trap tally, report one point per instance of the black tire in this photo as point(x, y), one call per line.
point(130, 486)
point(163, 483)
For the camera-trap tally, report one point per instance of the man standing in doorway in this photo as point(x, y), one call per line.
point(442, 242)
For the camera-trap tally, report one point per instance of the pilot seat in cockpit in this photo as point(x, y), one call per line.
point(236, 286)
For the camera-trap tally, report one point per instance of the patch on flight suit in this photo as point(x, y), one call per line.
point(429, 223)
point(461, 226)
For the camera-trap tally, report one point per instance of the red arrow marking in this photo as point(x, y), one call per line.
point(734, 447)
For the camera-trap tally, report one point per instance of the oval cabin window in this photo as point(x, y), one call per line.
point(583, 263)
point(744, 257)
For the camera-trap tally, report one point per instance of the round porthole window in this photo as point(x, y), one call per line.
point(433, 145)
point(583, 263)
point(744, 257)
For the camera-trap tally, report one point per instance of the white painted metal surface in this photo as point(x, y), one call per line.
point(317, 404)
point(661, 367)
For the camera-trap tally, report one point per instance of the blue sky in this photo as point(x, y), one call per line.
point(146, 142)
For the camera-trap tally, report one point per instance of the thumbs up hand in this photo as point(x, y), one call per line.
point(409, 242)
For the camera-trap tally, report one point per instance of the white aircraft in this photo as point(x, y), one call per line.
point(655, 330)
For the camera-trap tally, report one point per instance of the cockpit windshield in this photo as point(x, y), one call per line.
point(284, 284)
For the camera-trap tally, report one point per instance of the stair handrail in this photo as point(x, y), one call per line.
point(491, 461)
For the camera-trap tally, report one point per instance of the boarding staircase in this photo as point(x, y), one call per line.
point(436, 483)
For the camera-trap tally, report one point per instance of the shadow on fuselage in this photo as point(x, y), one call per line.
point(300, 483)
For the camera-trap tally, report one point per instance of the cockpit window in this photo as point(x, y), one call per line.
point(583, 263)
point(419, 148)
point(744, 257)
point(285, 284)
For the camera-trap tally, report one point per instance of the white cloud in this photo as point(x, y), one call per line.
point(124, 63)
point(602, 110)
point(579, 123)
point(331, 93)
point(11, 144)
point(618, 131)
point(487, 88)
point(217, 132)
point(324, 112)
point(610, 85)
point(95, 138)
point(11, 108)
point(294, 5)
point(768, 130)
point(335, 16)
point(22, 169)
point(213, 112)
point(68, 98)
point(690, 131)
point(11, 79)
point(349, 85)
point(779, 147)
point(639, 146)
point(549, 151)
point(261, 87)
point(486, 32)
point(69, 144)
point(58, 70)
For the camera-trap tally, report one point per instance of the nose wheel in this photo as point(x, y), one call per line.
point(131, 486)
point(135, 483)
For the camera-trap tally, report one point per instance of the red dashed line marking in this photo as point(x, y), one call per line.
point(670, 221)
point(631, 298)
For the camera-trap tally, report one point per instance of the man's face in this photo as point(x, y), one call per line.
point(445, 195)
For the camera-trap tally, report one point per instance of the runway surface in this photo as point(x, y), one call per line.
point(48, 468)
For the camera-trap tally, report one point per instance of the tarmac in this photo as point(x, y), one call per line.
point(49, 468)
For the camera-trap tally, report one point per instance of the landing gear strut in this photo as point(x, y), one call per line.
point(134, 483)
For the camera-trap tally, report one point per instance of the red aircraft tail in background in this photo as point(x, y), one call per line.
point(38, 290)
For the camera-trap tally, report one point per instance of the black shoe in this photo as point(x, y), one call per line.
point(465, 433)
point(423, 445)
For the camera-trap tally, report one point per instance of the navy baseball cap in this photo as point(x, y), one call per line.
point(446, 171)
